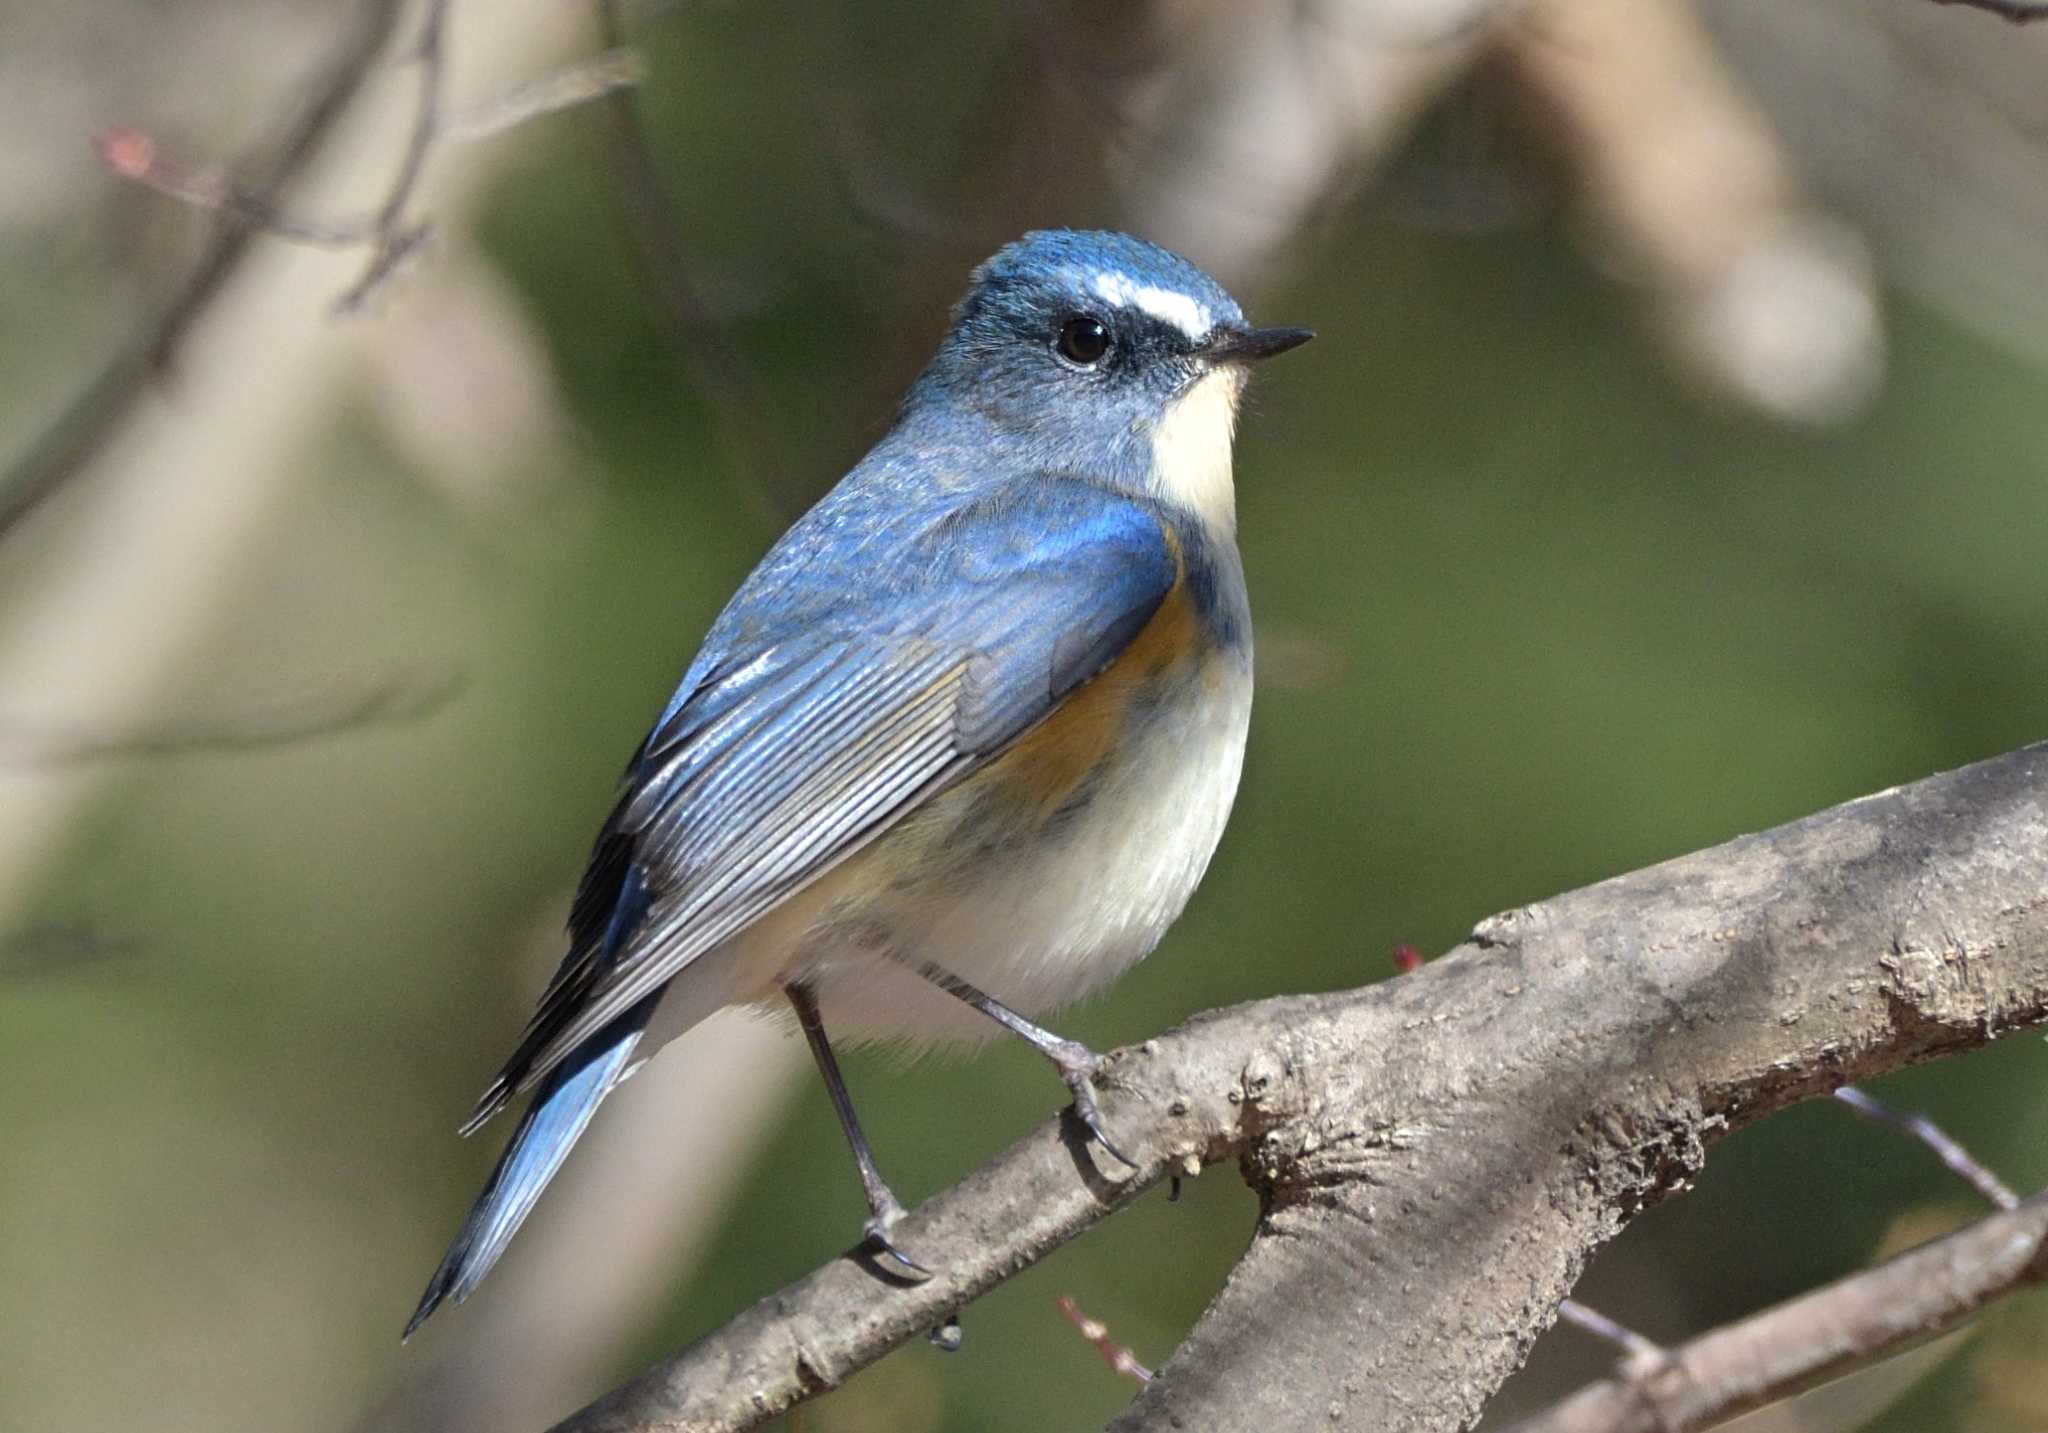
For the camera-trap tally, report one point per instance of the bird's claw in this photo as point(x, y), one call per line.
point(893, 1259)
point(1078, 1065)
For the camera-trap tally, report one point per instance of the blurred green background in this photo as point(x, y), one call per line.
point(1535, 607)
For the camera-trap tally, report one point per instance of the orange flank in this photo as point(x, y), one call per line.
point(1018, 792)
point(1049, 763)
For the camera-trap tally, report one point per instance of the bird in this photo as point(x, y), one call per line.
point(959, 749)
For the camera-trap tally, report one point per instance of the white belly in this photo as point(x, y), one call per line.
point(1067, 916)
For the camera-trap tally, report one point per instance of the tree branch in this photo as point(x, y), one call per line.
point(1817, 1336)
point(1438, 1156)
point(654, 228)
point(406, 696)
point(96, 414)
point(1957, 1160)
point(2020, 12)
point(395, 239)
point(1121, 1360)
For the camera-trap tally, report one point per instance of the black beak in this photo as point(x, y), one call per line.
point(1251, 345)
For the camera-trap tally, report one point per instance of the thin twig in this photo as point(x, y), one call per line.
point(402, 699)
point(1661, 1377)
point(1819, 1335)
point(97, 413)
point(655, 229)
point(586, 80)
point(2020, 12)
point(46, 950)
point(1121, 1360)
point(874, 190)
point(397, 240)
point(1952, 1154)
point(136, 156)
point(1592, 1321)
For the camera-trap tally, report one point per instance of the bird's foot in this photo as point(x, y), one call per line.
point(1078, 1066)
point(888, 1212)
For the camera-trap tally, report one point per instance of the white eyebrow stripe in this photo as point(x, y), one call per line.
point(1189, 315)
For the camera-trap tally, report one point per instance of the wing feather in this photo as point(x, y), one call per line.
point(686, 829)
point(798, 687)
point(793, 750)
point(818, 823)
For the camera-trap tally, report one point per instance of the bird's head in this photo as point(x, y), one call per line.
point(1099, 354)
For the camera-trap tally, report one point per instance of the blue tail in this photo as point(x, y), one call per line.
point(560, 1112)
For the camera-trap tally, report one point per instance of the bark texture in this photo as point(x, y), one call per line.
point(1808, 1340)
point(1438, 1155)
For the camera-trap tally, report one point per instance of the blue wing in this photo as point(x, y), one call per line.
point(556, 1119)
point(803, 732)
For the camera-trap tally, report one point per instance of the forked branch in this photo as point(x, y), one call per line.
point(1437, 1156)
point(1817, 1336)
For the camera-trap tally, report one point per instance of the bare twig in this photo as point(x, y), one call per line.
point(45, 950)
point(877, 193)
point(1959, 1160)
point(136, 156)
point(393, 238)
point(1607, 1330)
point(572, 85)
point(248, 207)
point(1444, 1151)
point(86, 425)
point(397, 240)
point(1765, 296)
point(407, 697)
point(1819, 1335)
point(1663, 1383)
point(1121, 1360)
point(2020, 12)
point(655, 229)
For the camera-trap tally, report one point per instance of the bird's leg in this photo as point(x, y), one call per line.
point(884, 1208)
point(1076, 1063)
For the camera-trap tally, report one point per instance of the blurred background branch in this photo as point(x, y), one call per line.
point(654, 226)
point(1959, 1161)
point(86, 424)
point(407, 697)
point(1119, 1360)
point(2018, 11)
point(393, 240)
point(1672, 465)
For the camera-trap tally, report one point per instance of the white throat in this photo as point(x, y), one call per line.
point(1191, 449)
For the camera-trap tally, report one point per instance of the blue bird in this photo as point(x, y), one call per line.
point(961, 746)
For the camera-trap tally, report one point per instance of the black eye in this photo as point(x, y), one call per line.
point(1083, 340)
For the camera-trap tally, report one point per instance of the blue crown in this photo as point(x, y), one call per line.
point(1091, 267)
